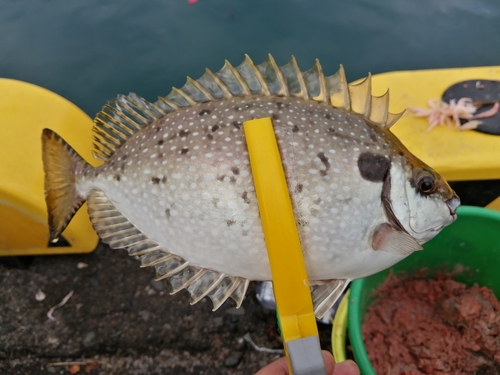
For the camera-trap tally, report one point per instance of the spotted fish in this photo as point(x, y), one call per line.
point(176, 188)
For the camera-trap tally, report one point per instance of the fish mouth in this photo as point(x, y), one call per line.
point(453, 203)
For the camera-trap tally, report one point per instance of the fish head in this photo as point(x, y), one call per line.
point(416, 198)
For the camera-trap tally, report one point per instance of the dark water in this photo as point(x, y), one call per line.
point(90, 50)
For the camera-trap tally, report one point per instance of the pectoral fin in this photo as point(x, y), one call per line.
point(395, 241)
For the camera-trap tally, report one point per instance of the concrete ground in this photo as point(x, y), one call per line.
point(120, 321)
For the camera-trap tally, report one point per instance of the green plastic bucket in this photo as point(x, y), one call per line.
point(472, 241)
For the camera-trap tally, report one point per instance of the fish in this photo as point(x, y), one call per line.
point(176, 191)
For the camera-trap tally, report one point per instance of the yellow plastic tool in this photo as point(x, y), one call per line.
point(26, 109)
point(290, 282)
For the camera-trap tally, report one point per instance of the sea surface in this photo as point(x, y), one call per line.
point(91, 50)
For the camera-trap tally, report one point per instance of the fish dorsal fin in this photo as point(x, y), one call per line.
point(126, 115)
point(373, 108)
point(268, 79)
point(325, 295)
point(115, 230)
point(120, 119)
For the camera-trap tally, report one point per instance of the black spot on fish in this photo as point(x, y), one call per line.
point(164, 179)
point(167, 212)
point(279, 105)
point(210, 136)
point(298, 188)
point(373, 135)
point(336, 134)
point(373, 167)
point(183, 133)
point(303, 223)
point(323, 172)
point(295, 129)
point(275, 116)
point(184, 151)
point(235, 170)
point(232, 179)
point(314, 212)
point(117, 177)
point(324, 160)
point(230, 222)
point(327, 116)
point(244, 196)
point(205, 112)
point(236, 124)
point(156, 180)
point(160, 142)
point(124, 157)
point(215, 128)
point(221, 178)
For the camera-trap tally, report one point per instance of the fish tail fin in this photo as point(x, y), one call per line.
point(60, 163)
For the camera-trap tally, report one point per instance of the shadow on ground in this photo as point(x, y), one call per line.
point(119, 321)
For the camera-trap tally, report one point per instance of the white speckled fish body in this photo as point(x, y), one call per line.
point(186, 182)
point(176, 187)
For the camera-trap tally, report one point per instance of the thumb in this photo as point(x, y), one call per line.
point(344, 368)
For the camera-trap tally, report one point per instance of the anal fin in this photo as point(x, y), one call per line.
point(118, 232)
point(326, 294)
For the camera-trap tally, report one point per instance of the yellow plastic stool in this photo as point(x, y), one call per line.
point(457, 155)
point(26, 109)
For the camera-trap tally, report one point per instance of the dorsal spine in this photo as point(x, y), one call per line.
point(126, 115)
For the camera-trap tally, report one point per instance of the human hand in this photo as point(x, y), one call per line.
point(280, 367)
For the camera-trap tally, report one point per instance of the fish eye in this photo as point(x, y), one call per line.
point(426, 184)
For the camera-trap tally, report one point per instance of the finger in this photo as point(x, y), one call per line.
point(346, 368)
point(278, 367)
point(343, 368)
point(329, 362)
